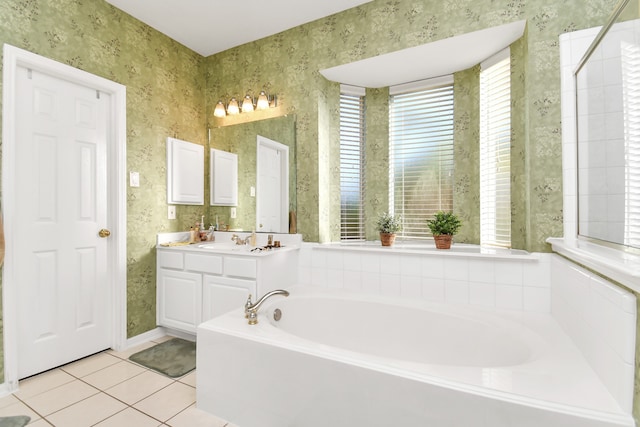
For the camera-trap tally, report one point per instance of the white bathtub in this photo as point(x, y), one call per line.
point(343, 360)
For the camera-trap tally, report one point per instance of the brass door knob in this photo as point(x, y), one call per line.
point(104, 233)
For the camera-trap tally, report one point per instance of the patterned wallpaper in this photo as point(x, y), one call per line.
point(165, 82)
point(172, 91)
point(288, 64)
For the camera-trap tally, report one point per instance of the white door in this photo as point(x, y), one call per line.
point(272, 204)
point(64, 298)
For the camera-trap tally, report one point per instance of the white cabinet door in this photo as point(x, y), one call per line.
point(224, 178)
point(222, 294)
point(185, 172)
point(179, 299)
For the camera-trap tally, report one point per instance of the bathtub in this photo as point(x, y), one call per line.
point(350, 360)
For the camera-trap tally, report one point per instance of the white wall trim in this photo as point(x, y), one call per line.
point(14, 58)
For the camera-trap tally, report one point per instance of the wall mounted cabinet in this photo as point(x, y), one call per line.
point(185, 173)
point(224, 178)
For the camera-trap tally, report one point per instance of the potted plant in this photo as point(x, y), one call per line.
point(443, 226)
point(388, 226)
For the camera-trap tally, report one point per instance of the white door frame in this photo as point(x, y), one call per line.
point(117, 214)
point(284, 173)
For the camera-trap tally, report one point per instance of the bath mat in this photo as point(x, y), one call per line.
point(173, 358)
point(19, 421)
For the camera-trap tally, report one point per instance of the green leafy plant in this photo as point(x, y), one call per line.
point(444, 223)
point(389, 223)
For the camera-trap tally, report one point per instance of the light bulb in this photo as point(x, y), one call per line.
point(219, 111)
point(263, 101)
point(233, 107)
point(247, 104)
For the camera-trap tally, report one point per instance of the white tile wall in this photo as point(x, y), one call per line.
point(484, 281)
point(601, 319)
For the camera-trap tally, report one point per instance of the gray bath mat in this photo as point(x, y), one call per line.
point(19, 421)
point(173, 358)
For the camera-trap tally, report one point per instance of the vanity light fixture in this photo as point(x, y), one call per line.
point(265, 101)
point(220, 111)
point(247, 105)
point(233, 107)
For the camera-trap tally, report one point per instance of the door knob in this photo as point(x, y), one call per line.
point(104, 233)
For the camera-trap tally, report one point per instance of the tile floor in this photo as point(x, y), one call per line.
point(107, 390)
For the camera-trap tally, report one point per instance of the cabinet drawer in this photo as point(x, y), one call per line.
point(240, 267)
point(170, 259)
point(203, 263)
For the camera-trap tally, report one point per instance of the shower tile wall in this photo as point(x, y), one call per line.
point(511, 284)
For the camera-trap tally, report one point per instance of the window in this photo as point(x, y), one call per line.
point(420, 153)
point(351, 163)
point(495, 150)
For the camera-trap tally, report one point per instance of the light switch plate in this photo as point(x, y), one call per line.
point(171, 212)
point(134, 179)
point(233, 213)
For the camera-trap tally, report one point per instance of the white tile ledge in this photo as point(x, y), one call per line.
point(429, 249)
point(623, 267)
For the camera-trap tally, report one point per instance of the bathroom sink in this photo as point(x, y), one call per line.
point(226, 247)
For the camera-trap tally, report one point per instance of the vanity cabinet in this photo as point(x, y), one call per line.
point(194, 285)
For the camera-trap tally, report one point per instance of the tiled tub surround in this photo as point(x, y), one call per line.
point(463, 275)
point(601, 319)
point(512, 284)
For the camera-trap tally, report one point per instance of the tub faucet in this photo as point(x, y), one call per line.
point(251, 309)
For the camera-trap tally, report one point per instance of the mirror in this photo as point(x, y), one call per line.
point(608, 131)
point(241, 139)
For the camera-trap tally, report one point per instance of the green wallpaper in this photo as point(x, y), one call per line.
point(466, 156)
point(165, 82)
point(288, 64)
point(172, 91)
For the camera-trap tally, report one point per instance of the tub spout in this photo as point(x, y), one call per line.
point(251, 309)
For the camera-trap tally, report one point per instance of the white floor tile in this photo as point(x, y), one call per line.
point(39, 423)
point(194, 417)
point(114, 374)
point(90, 364)
point(88, 411)
point(8, 401)
point(129, 418)
point(139, 387)
point(41, 383)
point(168, 402)
point(18, 408)
point(189, 379)
point(60, 397)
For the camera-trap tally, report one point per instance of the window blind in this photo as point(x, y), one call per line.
point(421, 156)
point(351, 166)
point(495, 151)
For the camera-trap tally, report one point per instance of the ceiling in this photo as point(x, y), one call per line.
point(435, 59)
point(209, 27)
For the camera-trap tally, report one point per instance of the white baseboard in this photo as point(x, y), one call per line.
point(156, 333)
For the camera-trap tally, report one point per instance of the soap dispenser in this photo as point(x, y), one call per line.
point(253, 238)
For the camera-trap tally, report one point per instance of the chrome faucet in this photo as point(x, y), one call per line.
point(239, 240)
point(251, 309)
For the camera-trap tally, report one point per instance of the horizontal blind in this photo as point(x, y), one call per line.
point(421, 156)
point(495, 153)
point(351, 167)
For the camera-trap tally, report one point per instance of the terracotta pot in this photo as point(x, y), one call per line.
point(387, 239)
point(443, 241)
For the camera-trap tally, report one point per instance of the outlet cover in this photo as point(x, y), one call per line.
point(253, 191)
